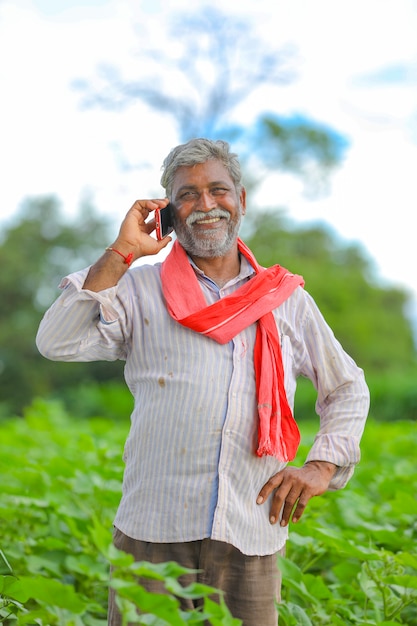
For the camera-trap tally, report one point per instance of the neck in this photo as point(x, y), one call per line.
point(220, 269)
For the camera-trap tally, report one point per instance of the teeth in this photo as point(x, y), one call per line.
point(210, 221)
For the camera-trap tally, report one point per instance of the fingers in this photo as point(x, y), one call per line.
point(150, 205)
point(291, 490)
point(294, 504)
point(288, 496)
point(136, 227)
point(142, 208)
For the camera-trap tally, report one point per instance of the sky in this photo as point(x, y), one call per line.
point(356, 63)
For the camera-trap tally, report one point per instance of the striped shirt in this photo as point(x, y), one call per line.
point(191, 470)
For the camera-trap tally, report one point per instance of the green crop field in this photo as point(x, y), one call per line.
point(352, 559)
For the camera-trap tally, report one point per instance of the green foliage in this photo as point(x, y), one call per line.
point(62, 485)
point(57, 475)
point(297, 144)
point(394, 395)
point(355, 561)
point(368, 318)
point(38, 249)
point(351, 560)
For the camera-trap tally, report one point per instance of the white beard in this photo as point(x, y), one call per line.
point(210, 243)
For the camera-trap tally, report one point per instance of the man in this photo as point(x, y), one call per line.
point(213, 345)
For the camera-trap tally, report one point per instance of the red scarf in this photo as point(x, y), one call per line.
point(278, 434)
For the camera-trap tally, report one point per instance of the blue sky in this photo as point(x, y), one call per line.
point(356, 73)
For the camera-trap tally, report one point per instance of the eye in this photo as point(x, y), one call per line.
point(219, 191)
point(188, 195)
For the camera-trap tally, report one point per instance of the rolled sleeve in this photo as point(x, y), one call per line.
point(84, 325)
point(105, 298)
point(341, 450)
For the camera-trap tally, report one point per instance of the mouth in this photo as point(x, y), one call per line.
point(211, 220)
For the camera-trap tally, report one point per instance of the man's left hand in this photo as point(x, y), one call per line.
point(293, 487)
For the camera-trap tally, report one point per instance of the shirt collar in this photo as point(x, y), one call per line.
point(246, 270)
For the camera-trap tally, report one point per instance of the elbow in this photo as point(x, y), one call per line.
point(51, 346)
point(58, 347)
point(45, 348)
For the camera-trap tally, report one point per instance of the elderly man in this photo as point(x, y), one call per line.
point(213, 345)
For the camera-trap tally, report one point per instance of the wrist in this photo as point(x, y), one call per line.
point(326, 467)
point(127, 257)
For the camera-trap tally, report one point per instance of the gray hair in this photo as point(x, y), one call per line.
point(199, 151)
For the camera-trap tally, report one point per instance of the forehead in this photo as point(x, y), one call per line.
point(202, 174)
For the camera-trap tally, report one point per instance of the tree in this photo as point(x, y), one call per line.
point(37, 250)
point(296, 144)
point(215, 62)
point(210, 64)
point(368, 318)
point(41, 247)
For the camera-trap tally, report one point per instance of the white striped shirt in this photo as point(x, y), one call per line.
point(191, 470)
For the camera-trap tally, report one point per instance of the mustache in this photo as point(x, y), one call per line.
point(195, 216)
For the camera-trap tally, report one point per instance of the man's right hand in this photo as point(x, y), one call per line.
point(134, 239)
point(134, 234)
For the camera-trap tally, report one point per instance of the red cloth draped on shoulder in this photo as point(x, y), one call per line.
point(278, 434)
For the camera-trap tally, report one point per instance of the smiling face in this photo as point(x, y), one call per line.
point(208, 209)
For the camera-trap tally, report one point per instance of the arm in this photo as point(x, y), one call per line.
point(342, 404)
point(90, 320)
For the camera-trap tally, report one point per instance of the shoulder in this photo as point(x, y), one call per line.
point(299, 308)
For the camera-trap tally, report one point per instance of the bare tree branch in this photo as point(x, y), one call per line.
point(212, 62)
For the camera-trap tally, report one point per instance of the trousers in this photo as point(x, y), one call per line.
point(251, 584)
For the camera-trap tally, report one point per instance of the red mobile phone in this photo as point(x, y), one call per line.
point(163, 221)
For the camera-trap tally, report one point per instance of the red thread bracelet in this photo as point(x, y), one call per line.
point(127, 258)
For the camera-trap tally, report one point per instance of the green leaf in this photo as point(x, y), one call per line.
point(346, 547)
point(193, 591)
point(44, 590)
point(405, 581)
point(219, 614)
point(293, 578)
point(289, 570)
point(317, 587)
point(406, 559)
point(294, 615)
point(87, 565)
point(4, 563)
point(159, 571)
point(161, 605)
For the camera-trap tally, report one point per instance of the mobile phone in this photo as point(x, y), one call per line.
point(163, 221)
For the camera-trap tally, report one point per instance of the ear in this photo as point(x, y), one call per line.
point(242, 200)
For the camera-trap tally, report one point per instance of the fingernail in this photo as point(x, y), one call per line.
point(259, 500)
point(272, 519)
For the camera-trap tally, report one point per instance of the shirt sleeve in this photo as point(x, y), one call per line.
point(342, 396)
point(84, 325)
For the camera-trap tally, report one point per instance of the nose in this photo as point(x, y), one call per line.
point(206, 201)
